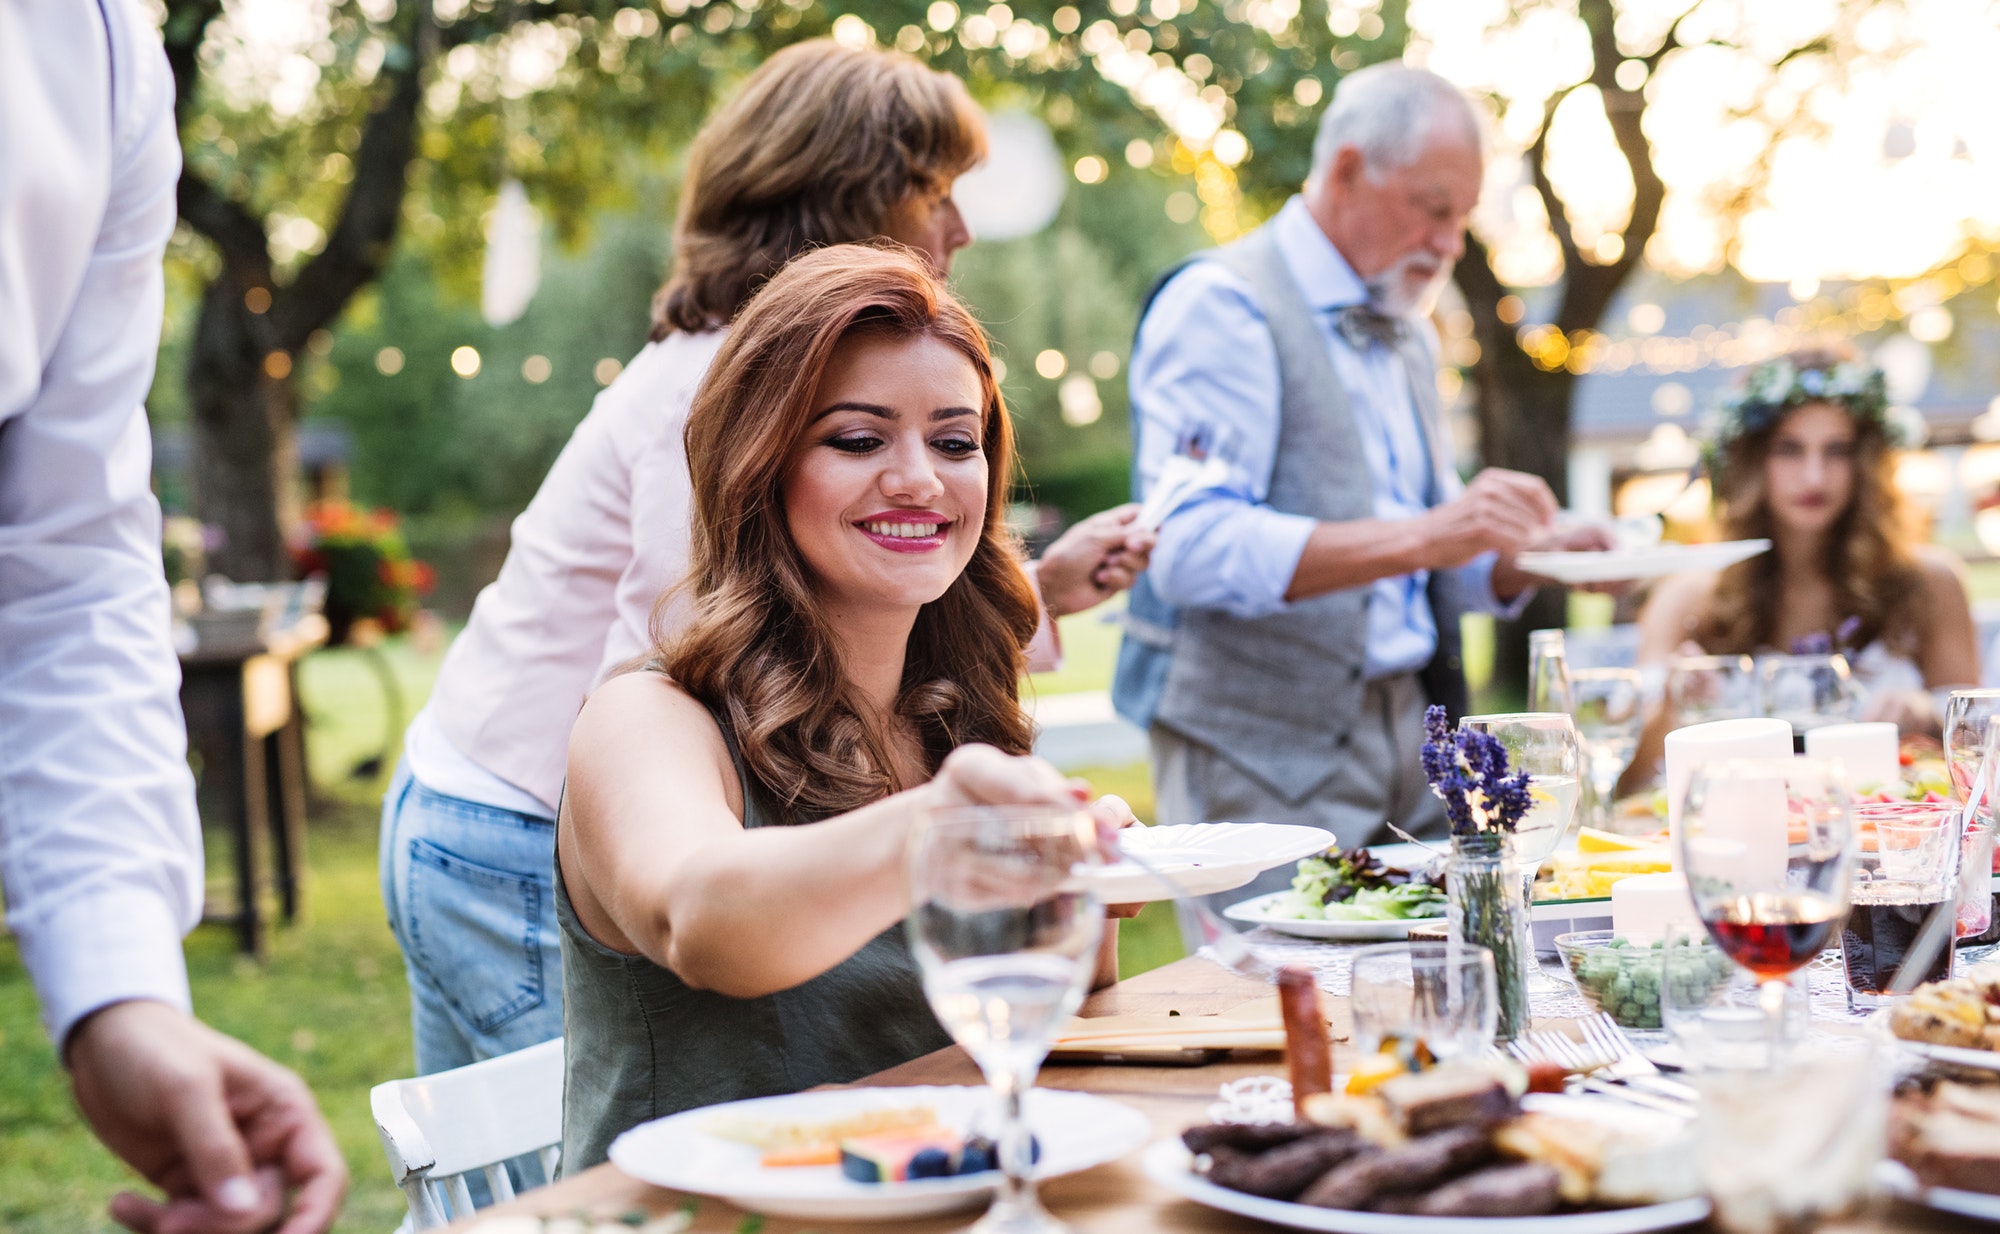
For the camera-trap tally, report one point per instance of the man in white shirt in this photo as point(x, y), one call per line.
point(99, 845)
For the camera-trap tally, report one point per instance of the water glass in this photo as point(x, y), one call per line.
point(1609, 706)
point(1443, 995)
point(1784, 1148)
point(1904, 892)
point(1968, 731)
point(1704, 688)
point(1005, 928)
point(1807, 690)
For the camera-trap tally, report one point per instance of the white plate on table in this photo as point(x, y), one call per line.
point(1203, 858)
point(1963, 1056)
point(1617, 564)
point(1263, 911)
point(1896, 1179)
point(678, 1152)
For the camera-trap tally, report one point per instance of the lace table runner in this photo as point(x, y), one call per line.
point(1331, 964)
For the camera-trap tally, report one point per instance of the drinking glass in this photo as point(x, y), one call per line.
point(1968, 724)
point(1704, 688)
point(1445, 996)
point(1543, 744)
point(1768, 849)
point(1904, 890)
point(1807, 690)
point(1005, 928)
point(1609, 706)
point(1548, 672)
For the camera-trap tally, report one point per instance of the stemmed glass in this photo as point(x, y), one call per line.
point(1610, 708)
point(1005, 928)
point(1543, 744)
point(1968, 724)
point(1768, 849)
point(1704, 688)
point(1808, 690)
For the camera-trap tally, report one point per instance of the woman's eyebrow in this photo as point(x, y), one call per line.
point(952, 413)
point(872, 409)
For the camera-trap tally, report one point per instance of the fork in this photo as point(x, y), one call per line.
point(1202, 927)
point(1624, 1062)
point(1563, 1052)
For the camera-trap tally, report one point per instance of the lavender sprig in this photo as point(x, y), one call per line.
point(1458, 764)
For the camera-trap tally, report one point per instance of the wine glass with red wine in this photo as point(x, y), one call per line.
point(1768, 849)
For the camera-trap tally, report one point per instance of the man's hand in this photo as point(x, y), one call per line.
point(1093, 561)
point(226, 1133)
point(1499, 511)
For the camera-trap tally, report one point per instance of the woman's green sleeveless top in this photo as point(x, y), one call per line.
point(639, 1044)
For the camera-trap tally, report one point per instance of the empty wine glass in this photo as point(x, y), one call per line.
point(1968, 725)
point(1609, 710)
point(1768, 849)
point(1704, 688)
point(1807, 690)
point(1005, 928)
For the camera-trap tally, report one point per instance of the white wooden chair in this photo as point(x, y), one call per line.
point(439, 1128)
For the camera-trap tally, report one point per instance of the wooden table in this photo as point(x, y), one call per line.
point(1110, 1199)
point(243, 719)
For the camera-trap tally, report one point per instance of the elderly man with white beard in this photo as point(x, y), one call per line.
point(1300, 614)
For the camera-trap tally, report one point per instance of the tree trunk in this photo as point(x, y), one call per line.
point(244, 446)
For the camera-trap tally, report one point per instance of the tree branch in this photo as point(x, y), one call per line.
point(226, 224)
point(358, 243)
point(186, 26)
point(1552, 204)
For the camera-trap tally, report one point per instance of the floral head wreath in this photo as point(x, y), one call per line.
point(1777, 386)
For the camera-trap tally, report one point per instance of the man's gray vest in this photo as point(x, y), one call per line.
point(1279, 696)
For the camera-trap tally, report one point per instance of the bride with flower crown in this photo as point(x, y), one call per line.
point(1804, 455)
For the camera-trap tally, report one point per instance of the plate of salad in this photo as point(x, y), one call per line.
point(1347, 895)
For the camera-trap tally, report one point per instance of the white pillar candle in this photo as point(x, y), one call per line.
point(1690, 747)
point(1644, 905)
point(1744, 834)
point(1867, 751)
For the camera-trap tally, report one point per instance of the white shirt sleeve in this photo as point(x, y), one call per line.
point(100, 849)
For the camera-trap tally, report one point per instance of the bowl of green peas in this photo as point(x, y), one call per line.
point(1622, 977)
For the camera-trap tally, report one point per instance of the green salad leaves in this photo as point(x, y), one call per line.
point(1352, 885)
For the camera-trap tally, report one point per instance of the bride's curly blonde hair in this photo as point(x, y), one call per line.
point(760, 649)
point(1869, 553)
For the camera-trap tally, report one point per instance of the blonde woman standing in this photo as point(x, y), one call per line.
point(822, 145)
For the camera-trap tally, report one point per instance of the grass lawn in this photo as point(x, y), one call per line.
point(331, 1000)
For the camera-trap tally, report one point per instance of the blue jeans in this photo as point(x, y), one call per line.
point(471, 899)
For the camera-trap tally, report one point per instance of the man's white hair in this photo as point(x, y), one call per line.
point(1389, 112)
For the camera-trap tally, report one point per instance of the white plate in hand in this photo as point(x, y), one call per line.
point(678, 1152)
point(1263, 911)
point(1203, 858)
point(1614, 565)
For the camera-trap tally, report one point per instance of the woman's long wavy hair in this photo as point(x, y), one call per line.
point(1869, 557)
point(818, 147)
point(760, 649)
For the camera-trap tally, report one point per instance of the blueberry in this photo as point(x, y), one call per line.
point(929, 1163)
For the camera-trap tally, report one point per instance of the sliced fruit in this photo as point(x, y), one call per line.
point(1592, 840)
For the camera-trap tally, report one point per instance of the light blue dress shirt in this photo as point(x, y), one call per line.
point(1204, 357)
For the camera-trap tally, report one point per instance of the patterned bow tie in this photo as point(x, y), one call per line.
point(1362, 324)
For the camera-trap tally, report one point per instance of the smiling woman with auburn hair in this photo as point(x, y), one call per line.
point(729, 879)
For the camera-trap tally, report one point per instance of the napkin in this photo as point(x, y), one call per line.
point(1255, 1025)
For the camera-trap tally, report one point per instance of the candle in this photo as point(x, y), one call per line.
point(1867, 751)
point(1644, 905)
point(1690, 747)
